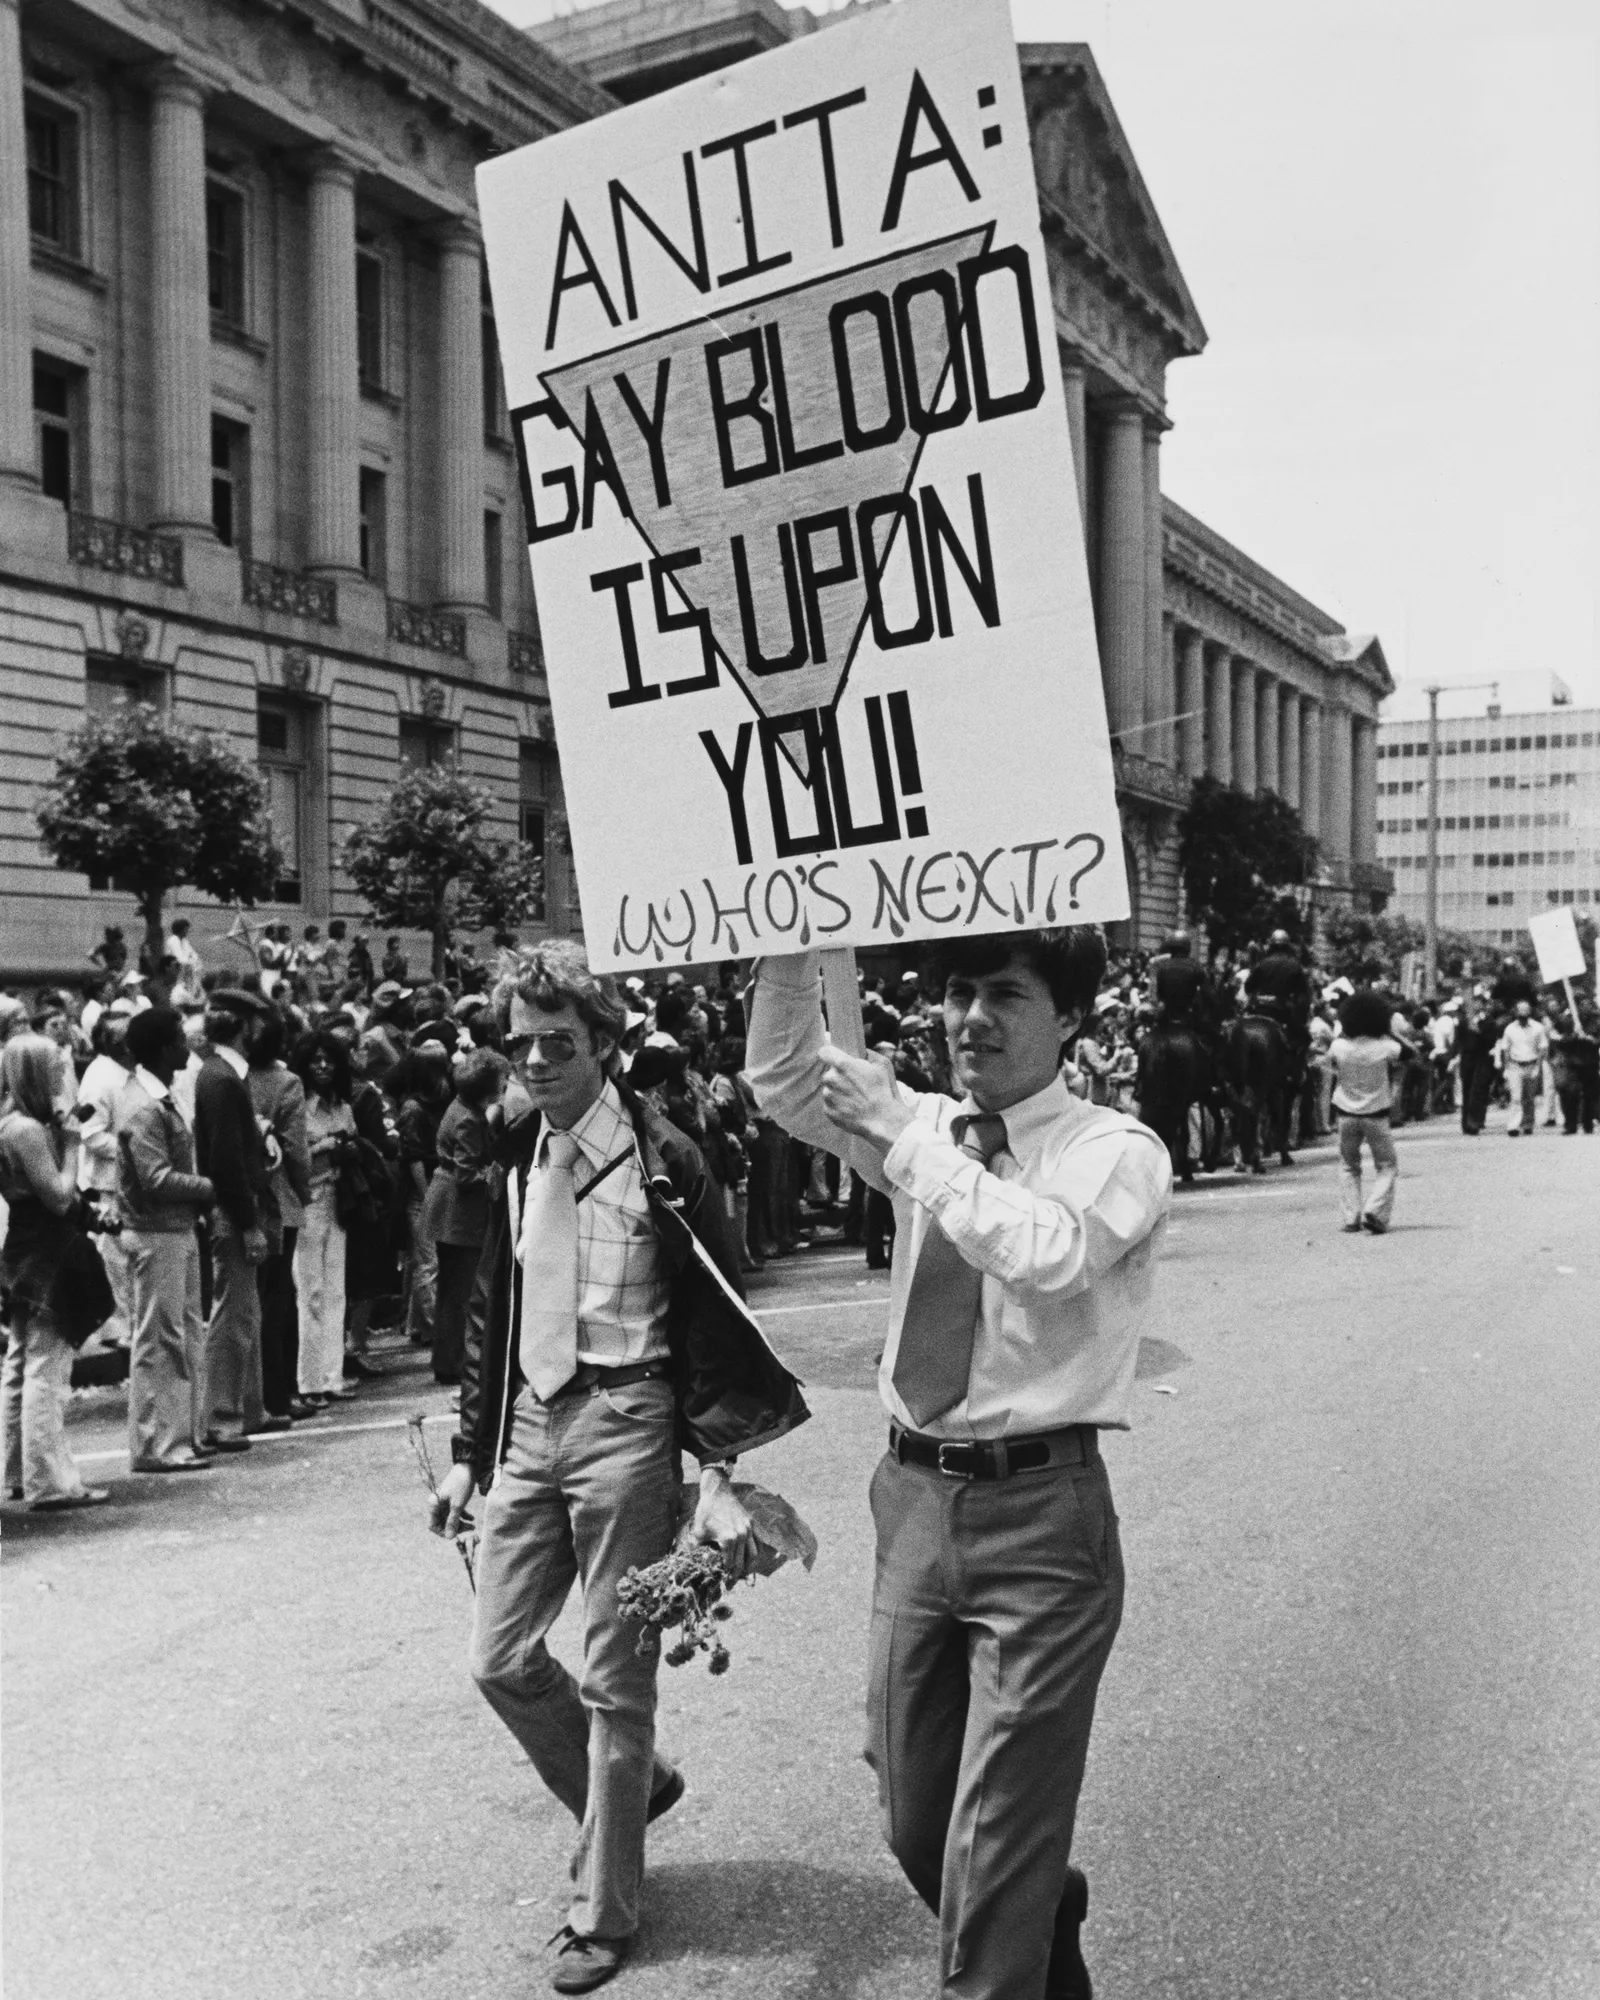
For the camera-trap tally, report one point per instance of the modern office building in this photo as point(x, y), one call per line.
point(1519, 817)
point(255, 462)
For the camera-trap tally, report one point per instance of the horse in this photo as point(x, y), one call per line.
point(1176, 1074)
point(1259, 1066)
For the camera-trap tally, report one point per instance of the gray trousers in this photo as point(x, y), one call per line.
point(232, 1400)
point(166, 1370)
point(589, 1488)
point(993, 1615)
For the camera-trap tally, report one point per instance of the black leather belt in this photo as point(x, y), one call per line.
point(591, 1378)
point(997, 1458)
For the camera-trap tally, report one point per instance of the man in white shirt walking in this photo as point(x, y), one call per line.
point(1027, 1230)
point(99, 1095)
point(1520, 1054)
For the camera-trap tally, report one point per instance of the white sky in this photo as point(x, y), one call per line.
point(1388, 214)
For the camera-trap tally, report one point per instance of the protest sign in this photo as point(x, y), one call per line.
point(1555, 939)
point(780, 353)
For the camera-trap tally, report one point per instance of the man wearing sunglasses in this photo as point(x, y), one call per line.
point(614, 1335)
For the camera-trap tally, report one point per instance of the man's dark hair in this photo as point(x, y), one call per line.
point(672, 1013)
point(180, 927)
point(1365, 1013)
point(157, 1028)
point(1071, 961)
point(267, 1043)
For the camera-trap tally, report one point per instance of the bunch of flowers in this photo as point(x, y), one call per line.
point(682, 1593)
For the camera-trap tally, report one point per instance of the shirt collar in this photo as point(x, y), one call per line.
point(151, 1085)
point(597, 1130)
point(1030, 1118)
point(233, 1059)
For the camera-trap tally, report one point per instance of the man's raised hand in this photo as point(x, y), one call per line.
point(860, 1095)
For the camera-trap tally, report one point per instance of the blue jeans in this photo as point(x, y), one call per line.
point(589, 1488)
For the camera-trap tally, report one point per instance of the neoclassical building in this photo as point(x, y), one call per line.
point(254, 457)
point(255, 462)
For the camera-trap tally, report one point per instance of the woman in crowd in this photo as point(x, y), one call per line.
point(279, 1099)
point(370, 1272)
point(46, 1276)
point(319, 1258)
point(1363, 1060)
point(455, 1214)
point(420, 1086)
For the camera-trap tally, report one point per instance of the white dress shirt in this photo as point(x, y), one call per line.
point(624, 1287)
point(99, 1094)
point(1066, 1224)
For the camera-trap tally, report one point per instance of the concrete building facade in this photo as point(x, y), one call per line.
point(1209, 662)
point(255, 461)
point(1519, 818)
point(254, 458)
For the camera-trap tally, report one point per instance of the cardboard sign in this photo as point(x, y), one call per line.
point(1555, 939)
point(780, 353)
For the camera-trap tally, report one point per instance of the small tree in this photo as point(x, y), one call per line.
point(158, 806)
point(1242, 857)
point(1368, 949)
point(427, 864)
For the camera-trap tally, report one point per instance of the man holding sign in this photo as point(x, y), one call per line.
point(1027, 1229)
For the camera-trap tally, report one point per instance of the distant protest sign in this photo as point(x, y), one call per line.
point(1560, 950)
point(780, 353)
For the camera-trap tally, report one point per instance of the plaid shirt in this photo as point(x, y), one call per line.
point(623, 1283)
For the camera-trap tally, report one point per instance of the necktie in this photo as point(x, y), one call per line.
point(548, 1254)
point(934, 1358)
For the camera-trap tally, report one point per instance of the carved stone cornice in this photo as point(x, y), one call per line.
point(1150, 783)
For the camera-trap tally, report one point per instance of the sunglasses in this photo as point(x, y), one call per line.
point(557, 1047)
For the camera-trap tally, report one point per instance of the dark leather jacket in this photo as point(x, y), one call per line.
point(732, 1392)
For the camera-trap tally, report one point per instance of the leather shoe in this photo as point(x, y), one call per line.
point(583, 1963)
point(63, 1503)
point(302, 1407)
point(229, 1444)
point(270, 1425)
point(194, 1464)
point(357, 1368)
point(1068, 1976)
point(664, 1797)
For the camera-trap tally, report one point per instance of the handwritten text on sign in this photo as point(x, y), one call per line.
point(800, 501)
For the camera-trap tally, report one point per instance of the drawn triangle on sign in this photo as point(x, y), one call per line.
point(766, 488)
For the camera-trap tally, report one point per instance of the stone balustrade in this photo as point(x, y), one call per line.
point(125, 551)
point(271, 588)
point(420, 625)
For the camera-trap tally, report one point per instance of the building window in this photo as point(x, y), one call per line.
point(493, 575)
point(58, 402)
point(230, 483)
point(225, 252)
point(281, 755)
point(426, 746)
point(369, 319)
point(494, 395)
point(374, 525)
point(52, 137)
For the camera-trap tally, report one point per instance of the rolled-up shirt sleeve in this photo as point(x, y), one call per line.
point(784, 1063)
point(1100, 1202)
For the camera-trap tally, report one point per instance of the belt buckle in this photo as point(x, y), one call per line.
point(956, 1471)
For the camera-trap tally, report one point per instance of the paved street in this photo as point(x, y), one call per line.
point(1349, 1743)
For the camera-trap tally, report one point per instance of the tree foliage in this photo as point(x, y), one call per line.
point(1242, 858)
point(158, 806)
point(1368, 949)
point(427, 862)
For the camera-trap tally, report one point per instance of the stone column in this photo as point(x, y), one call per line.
point(1312, 814)
point(334, 543)
point(1267, 734)
point(1219, 703)
point(1074, 377)
point(1364, 791)
point(180, 346)
point(461, 577)
point(1289, 745)
point(1158, 704)
point(1244, 726)
point(1191, 703)
point(17, 452)
point(1123, 638)
point(1338, 801)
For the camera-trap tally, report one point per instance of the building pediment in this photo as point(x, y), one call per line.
point(1091, 193)
point(1360, 653)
